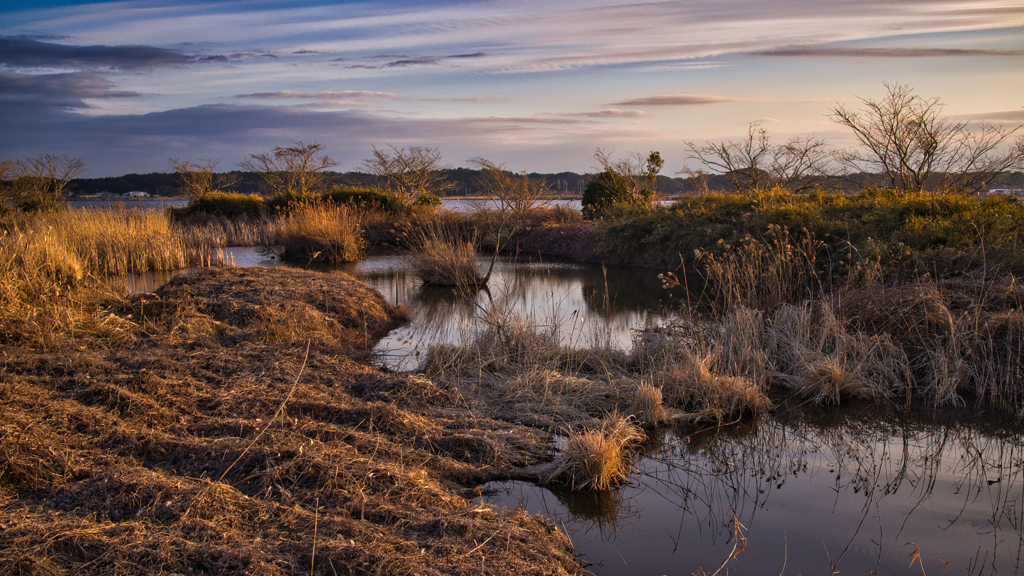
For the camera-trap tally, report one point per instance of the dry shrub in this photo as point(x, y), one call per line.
point(764, 273)
point(597, 458)
point(319, 232)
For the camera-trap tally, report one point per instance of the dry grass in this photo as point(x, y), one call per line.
point(204, 443)
point(819, 357)
point(648, 409)
point(764, 274)
point(51, 263)
point(597, 458)
point(443, 255)
point(964, 338)
point(319, 232)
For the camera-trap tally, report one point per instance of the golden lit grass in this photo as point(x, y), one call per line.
point(597, 458)
point(443, 256)
point(50, 264)
point(647, 405)
point(319, 232)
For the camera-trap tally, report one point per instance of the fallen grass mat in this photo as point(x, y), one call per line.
point(238, 428)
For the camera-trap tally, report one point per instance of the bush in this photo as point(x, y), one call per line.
point(227, 204)
point(604, 190)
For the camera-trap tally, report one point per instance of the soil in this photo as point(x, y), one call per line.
point(233, 423)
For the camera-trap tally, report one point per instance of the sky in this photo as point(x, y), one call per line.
point(537, 85)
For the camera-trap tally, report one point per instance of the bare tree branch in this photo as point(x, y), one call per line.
point(408, 173)
point(296, 170)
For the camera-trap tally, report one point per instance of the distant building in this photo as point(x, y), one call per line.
point(136, 194)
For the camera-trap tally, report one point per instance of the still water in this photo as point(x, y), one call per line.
point(840, 493)
point(800, 491)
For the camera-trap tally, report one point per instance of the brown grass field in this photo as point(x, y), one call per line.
point(229, 423)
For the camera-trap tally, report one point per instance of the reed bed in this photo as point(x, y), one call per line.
point(53, 267)
point(319, 232)
point(764, 274)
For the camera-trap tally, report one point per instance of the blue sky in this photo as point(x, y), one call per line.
point(537, 85)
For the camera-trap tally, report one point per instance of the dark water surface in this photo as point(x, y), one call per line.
point(798, 492)
point(850, 494)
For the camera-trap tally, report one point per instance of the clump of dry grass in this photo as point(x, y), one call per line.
point(319, 232)
point(597, 458)
point(819, 357)
point(964, 337)
point(444, 256)
point(647, 405)
point(704, 395)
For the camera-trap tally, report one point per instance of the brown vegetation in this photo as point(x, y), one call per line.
point(228, 423)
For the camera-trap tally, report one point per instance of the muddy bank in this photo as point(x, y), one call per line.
point(230, 423)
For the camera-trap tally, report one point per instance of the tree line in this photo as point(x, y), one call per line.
point(904, 142)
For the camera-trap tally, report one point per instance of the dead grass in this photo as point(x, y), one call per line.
point(597, 458)
point(319, 232)
point(764, 274)
point(203, 442)
point(444, 256)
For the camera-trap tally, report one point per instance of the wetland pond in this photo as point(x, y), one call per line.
point(852, 490)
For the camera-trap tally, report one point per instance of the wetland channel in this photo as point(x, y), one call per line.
point(804, 490)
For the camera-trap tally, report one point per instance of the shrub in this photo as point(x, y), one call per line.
point(227, 204)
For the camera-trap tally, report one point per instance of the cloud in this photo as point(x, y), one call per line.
point(674, 100)
point(25, 52)
point(324, 95)
point(67, 90)
point(608, 113)
point(893, 52)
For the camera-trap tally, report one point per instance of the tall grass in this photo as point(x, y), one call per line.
point(319, 232)
point(764, 273)
point(443, 255)
point(52, 265)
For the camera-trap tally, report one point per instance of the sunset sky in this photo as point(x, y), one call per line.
point(537, 85)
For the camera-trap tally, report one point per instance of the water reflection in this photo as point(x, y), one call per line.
point(856, 494)
point(581, 304)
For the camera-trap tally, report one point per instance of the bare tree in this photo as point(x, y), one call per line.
point(295, 170)
point(407, 173)
point(754, 163)
point(744, 162)
point(515, 194)
point(198, 179)
point(906, 139)
point(801, 163)
point(43, 180)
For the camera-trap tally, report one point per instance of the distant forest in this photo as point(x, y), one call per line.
point(464, 183)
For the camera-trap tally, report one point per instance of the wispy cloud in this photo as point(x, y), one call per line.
point(607, 113)
point(69, 90)
point(674, 100)
point(29, 53)
point(893, 52)
point(323, 95)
